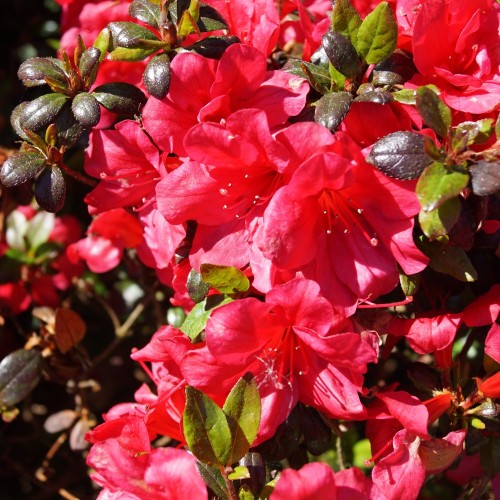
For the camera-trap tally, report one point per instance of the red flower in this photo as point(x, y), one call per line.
point(343, 223)
point(455, 43)
point(203, 90)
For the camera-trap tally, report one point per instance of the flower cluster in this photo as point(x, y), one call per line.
point(300, 184)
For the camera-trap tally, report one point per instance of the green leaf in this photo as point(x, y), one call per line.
point(197, 318)
point(377, 35)
point(439, 221)
point(331, 109)
point(130, 35)
point(210, 19)
point(224, 279)
point(342, 55)
point(410, 283)
point(21, 167)
point(197, 289)
point(244, 493)
point(102, 42)
point(145, 11)
point(318, 76)
point(132, 55)
point(213, 479)
point(435, 113)
point(187, 25)
point(239, 472)
point(361, 453)
point(405, 96)
point(41, 111)
point(346, 20)
point(206, 429)
point(20, 372)
point(439, 183)
point(400, 155)
point(449, 260)
point(242, 408)
point(468, 133)
point(497, 128)
point(120, 97)
point(50, 189)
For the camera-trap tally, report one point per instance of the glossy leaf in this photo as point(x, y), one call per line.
point(120, 97)
point(41, 111)
point(399, 65)
point(129, 35)
point(400, 155)
point(485, 177)
point(33, 72)
point(224, 279)
point(103, 42)
point(213, 479)
point(346, 20)
point(410, 283)
point(450, 260)
point(50, 189)
point(156, 76)
point(20, 372)
point(15, 118)
point(196, 287)
point(21, 167)
point(470, 132)
point(342, 54)
point(213, 47)
point(243, 408)
point(435, 113)
point(145, 11)
point(132, 55)
point(331, 109)
point(377, 35)
point(439, 183)
point(405, 96)
point(68, 128)
point(197, 318)
point(210, 19)
point(206, 429)
point(86, 109)
point(89, 64)
point(69, 329)
point(439, 221)
point(378, 96)
point(317, 76)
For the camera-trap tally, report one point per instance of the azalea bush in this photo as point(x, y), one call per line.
point(282, 219)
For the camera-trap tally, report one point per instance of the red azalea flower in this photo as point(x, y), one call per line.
point(455, 43)
point(296, 347)
point(343, 223)
point(204, 90)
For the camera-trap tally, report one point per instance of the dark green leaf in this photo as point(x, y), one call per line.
point(21, 167)
point(120, 97)
point(206, 429)
point(439, 221)
point(449, 260)
point(15, 118)
point(346, 20)
point(213, 479)
point(197, 318)
point(256, 466)
point(129, 35)
point(214, 46)
point(377, 96)
point(89, 64)
point(132, 55)
point(224, 279)
point(242, 408)
point(33, 71)
point(389, 78)
point(398, 68)
point(177, 8)
point(485, 177)
point(20, 372)
point(210, 19)
point(342, 54)
point(318, 76)
point(145, 11)
point(410, 283)
point(435, 113)
point(86, 109)
point(196, 287)
point(156, 76)
point(439, 183)
point(400, 155)
point(377, 35)
point(41, 111)
point(69, 129)
point(331, 109)
point(50, 189)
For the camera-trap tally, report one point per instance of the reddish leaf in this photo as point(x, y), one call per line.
point(69, 329)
